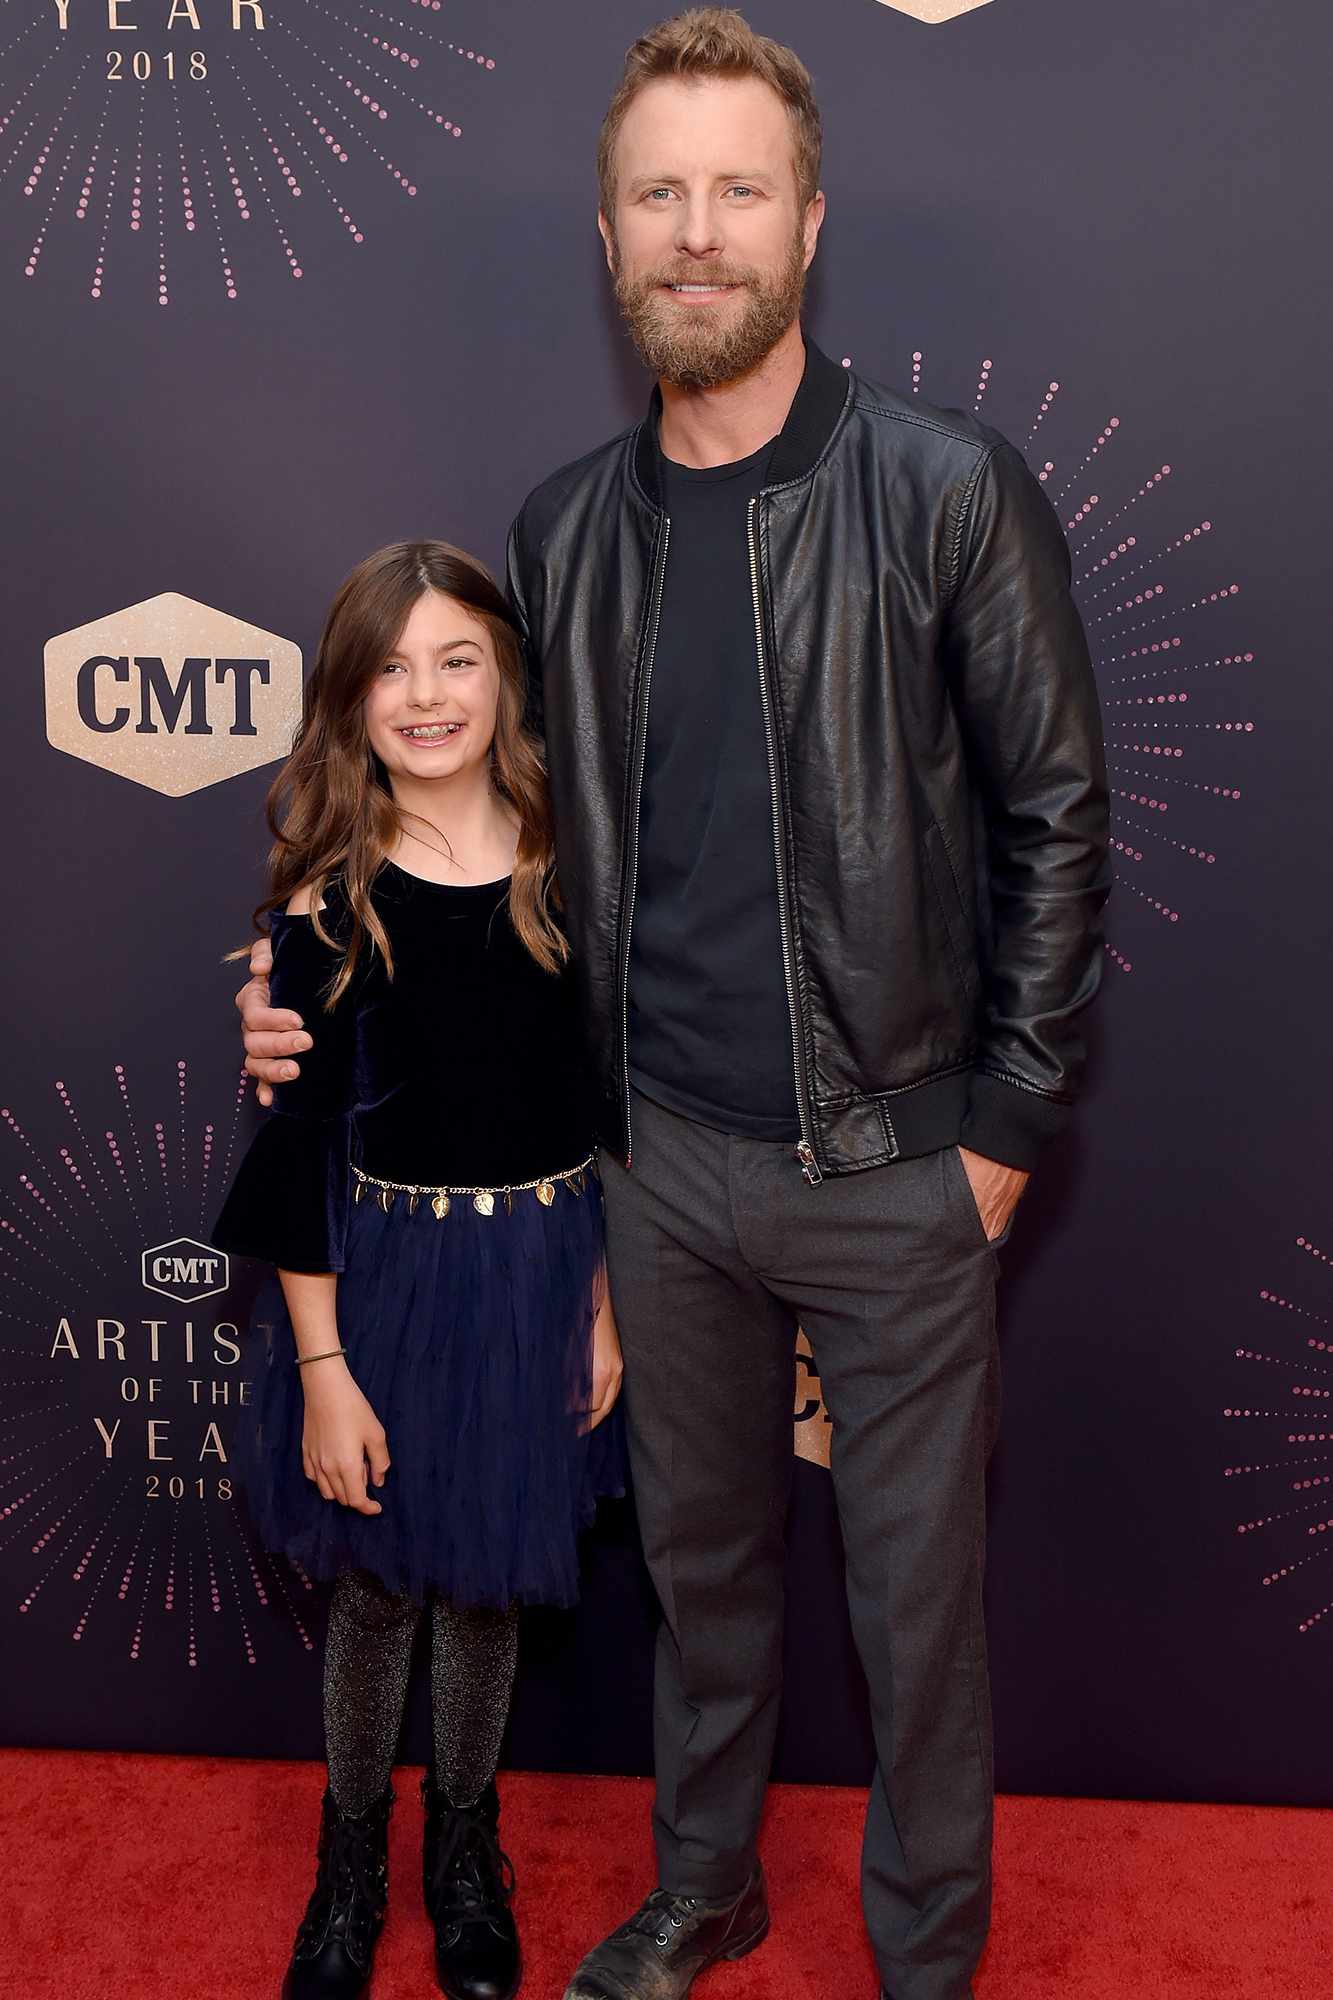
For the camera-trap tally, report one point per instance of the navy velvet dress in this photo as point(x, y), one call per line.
point(434, 1153)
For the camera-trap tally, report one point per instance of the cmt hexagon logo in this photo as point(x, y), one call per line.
point(185, 1270)
point(172, 694)
point(933, 12)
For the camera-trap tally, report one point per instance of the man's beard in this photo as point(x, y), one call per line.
point(683, 344)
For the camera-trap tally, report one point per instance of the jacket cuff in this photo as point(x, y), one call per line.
point(1007, 1123)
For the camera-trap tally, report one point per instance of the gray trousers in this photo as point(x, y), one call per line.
point(717, 1250)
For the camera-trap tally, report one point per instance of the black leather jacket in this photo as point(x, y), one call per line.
point(939, 791)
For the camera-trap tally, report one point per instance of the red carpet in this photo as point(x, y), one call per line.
point(172, 1878)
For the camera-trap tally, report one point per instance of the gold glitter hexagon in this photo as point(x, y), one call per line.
point(172, 694)
point(934, 12)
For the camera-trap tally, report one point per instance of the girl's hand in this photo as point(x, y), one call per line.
point(341, 1433)
point(608, 1367)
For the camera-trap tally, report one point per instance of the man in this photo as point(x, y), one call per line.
point(831, 826)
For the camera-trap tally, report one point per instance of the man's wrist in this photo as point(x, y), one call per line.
point(1009, 1124)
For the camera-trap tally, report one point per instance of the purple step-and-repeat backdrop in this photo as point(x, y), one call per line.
point(286, 279)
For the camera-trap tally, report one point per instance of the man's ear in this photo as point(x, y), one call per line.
point(814, 218)
point(604, 231)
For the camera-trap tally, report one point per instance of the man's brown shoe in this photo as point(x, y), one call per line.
point(669, 1941)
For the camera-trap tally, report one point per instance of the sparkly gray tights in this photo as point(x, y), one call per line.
point(367, 1659)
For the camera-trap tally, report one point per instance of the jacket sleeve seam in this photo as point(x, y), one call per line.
point(949, 581)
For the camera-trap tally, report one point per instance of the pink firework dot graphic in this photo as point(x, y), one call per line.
point(124, 1367)
point(1280, 1446)
point(1165, 619)
point(141, 139)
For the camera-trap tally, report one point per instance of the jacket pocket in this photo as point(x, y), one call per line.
point(958, 929)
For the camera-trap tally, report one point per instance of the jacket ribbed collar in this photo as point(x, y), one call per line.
point(818, 404)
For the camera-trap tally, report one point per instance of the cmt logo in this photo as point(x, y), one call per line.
point(185, 1270)
point(933, 11)
point(172, 695)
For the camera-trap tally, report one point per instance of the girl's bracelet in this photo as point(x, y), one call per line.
point(304, 1360)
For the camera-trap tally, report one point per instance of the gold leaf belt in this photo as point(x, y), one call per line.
point(483, 1199)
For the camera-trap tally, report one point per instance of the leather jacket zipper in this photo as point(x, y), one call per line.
point(639, 751)
point(805, 1151)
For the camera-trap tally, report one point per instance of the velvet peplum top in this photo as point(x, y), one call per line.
point(464, 1067)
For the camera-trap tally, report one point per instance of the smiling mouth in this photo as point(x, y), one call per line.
point(699, 291)
point(430, 732)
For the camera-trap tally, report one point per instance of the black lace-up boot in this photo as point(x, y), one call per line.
point(335, 1945)
point(669, 1941)
point(468, 1881)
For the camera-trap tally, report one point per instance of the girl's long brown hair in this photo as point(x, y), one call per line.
point(330, 808)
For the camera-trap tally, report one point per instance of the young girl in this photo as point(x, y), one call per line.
point(442, 1350)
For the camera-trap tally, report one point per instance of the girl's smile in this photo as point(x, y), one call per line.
point(430, 732)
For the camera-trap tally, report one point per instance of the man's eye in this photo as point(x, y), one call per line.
point(739, 189)
point(666, 193)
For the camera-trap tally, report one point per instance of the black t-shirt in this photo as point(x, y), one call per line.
point(709, 1016)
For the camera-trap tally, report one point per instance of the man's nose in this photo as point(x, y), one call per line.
point(699, 227)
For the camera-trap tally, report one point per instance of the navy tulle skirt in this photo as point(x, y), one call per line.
point(471, 1337)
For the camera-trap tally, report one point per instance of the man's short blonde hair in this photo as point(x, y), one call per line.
point(706, 42)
